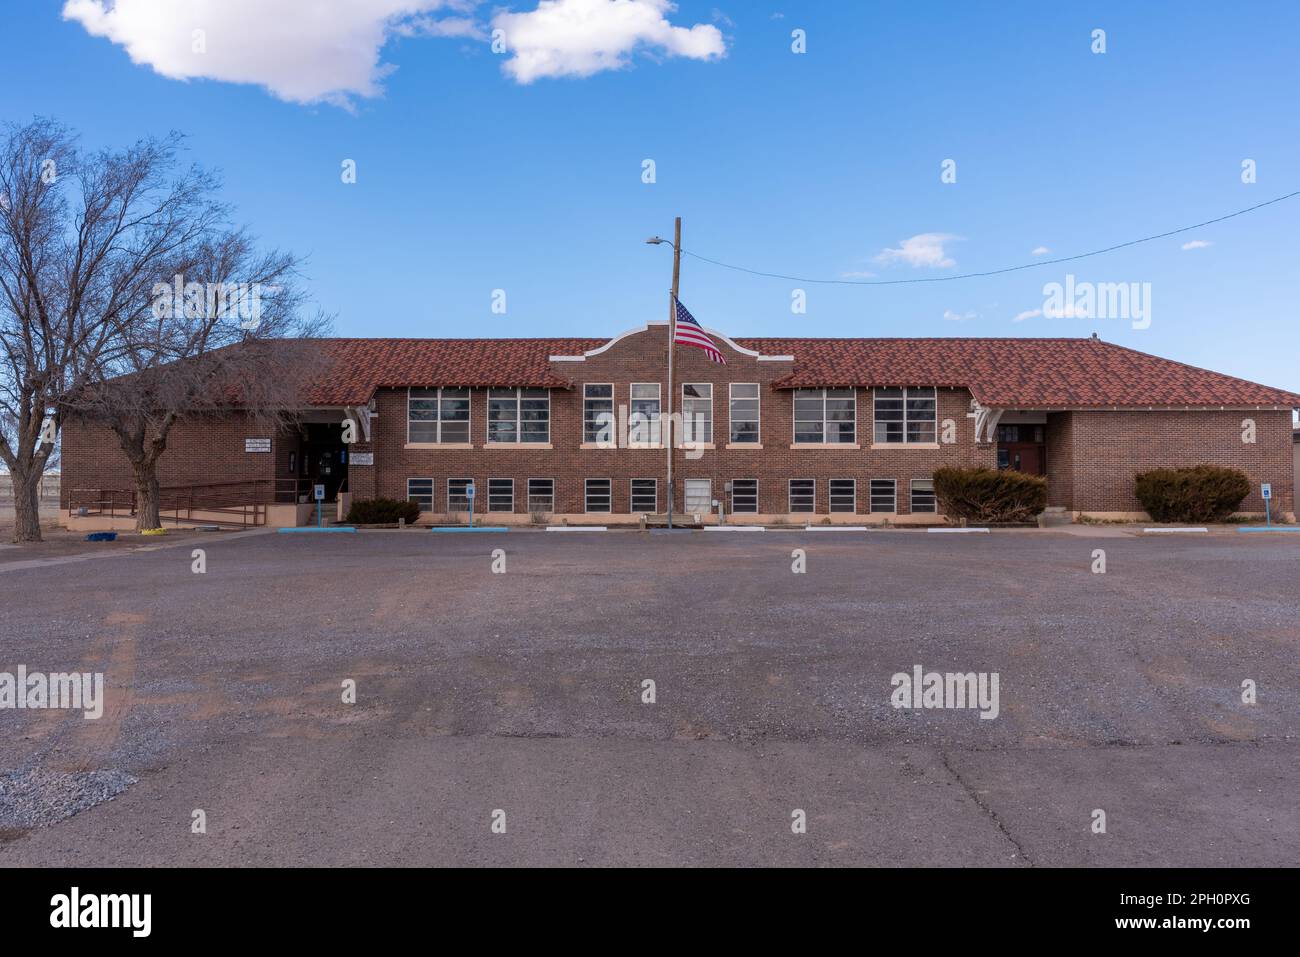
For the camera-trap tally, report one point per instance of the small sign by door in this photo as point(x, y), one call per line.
point(257, 445)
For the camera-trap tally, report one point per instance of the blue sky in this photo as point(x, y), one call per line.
point(473, 175)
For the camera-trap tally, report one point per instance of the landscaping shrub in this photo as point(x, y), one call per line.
point(1205, 493)
point(382, 511)
point(990, 495)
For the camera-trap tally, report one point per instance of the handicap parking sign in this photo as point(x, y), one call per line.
point(320, 493)
point(1266, 490)
point(469, 491)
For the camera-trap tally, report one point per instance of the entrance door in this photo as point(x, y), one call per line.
point(1022, 448)
point(324, 458)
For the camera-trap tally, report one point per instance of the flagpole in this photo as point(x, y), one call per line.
point(666, 433)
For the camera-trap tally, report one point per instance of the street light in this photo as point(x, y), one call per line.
point(666, 428)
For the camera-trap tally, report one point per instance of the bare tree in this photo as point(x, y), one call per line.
point(222, 330)
point(81, 238)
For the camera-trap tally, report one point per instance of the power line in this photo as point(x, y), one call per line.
point(991, 272)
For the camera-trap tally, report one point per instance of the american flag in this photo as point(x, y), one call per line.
point(689, 333)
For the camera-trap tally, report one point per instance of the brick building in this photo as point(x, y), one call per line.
point(788, 430)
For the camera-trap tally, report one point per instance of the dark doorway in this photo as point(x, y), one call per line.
point(324, 459)
point(1023, 448)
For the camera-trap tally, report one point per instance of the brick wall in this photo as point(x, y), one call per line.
point(1060, 459)
point(199, 452)
point(641, 358)
point(1110, 448)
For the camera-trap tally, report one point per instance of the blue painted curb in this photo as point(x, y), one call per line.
point(323, 528)
point(1270, 528)
point(466, 528)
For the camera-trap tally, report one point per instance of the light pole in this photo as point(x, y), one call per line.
point(666, 423)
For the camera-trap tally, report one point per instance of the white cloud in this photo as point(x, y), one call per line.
point(923, 250)
point(1040, 251)
point(290, 47)
point(1197, 244)
point(583, 37)
point(951, 316)
point(1068, 311)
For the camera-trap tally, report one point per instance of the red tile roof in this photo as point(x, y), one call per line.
point(1004, 373)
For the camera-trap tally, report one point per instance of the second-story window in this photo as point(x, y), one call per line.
point(643, 415)
point(744, 413)
point(597, 413)
point(697, 413)
point(437, 416)
point(519, 415)
point(825, 416)
point(905, 416)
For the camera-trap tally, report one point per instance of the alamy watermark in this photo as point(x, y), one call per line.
point(950, 690)
point(1098, 300)
point(36, 690)
point(210, 300)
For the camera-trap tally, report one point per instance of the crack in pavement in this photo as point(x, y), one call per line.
point(984, 806)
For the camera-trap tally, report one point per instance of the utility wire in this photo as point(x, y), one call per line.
point(991, 272)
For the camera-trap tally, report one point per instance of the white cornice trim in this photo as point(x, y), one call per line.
point(660, 323)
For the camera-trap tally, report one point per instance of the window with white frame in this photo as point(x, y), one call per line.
point(598, 413)
point(541, 495)
point(517, 416)
point(923, 495)
point(644, 414)
point(744, 413)
point(825, 416)
point(597, 498)
point(883, 498)
point(645, 495)
point(697, 413)
point(458, 494)
point(844, 495)
point(744, 496)
point(905, 416)
point(420, 491)
point(803, 495)
point(437, 416)
point(699, 496)
point(501, 495)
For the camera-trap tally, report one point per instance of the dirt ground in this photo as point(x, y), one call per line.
point(509, 687)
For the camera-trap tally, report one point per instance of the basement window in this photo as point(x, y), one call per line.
point(501, 495)
point(645, 495)
point(598, 496)
point(884, 495)
point(420, 491)
point(844, 495)
point(803, 495)
point(923, 495)
point(744, 496)
point(541, 495)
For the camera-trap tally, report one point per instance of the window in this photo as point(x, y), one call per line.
point(923, 495)
point(519, 415)
point(597, 495)
point(643, 415)
point(598, 414)
point(825, 416)
point(697, 413)
point(744, 413)
point(844, 495)
point(905, 415)
point(541, 495)
point(645, 495)
point(501, 495)
point(437, 416)
point(699, 496)
point(882, 495)
point(420, 491)
point(744, 496)
point(803, 495)
point(458, 494)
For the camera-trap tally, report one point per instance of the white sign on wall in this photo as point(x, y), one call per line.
point(257, 445)
point(363, 458)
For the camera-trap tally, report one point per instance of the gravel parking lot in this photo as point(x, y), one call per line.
point(521, 691)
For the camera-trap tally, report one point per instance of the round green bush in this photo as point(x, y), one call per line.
point(1204, 493)
point(989, 495)
point(382, 511)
